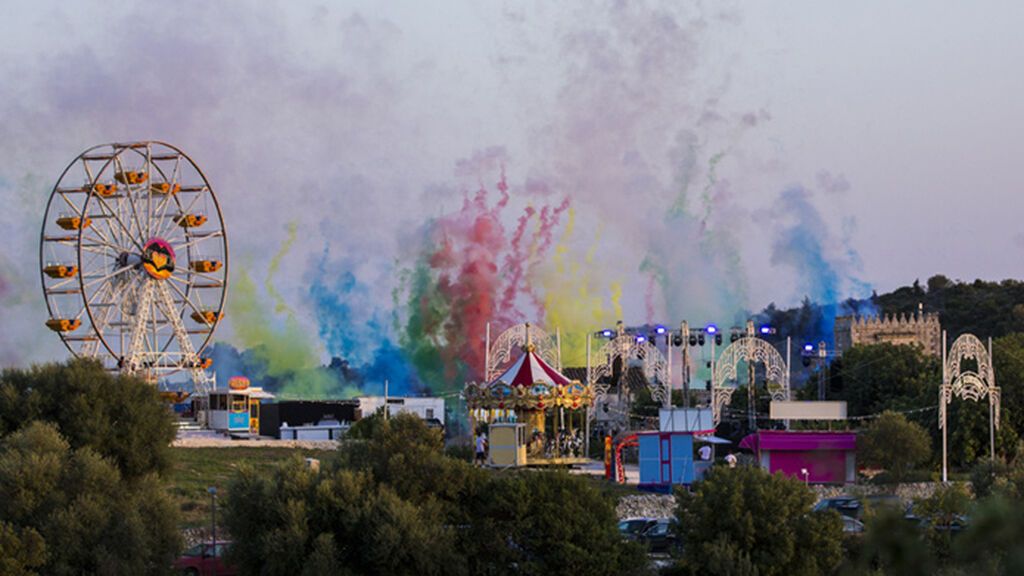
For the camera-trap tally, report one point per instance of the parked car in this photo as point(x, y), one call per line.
point(852, 525)
point(953, 525)
point(632, 528)
point(204, 560)
point(845, 505)
point(660, 537)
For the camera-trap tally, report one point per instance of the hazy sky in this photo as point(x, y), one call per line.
point(815, 148)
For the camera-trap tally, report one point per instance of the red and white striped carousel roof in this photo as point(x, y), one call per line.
point(530, 369)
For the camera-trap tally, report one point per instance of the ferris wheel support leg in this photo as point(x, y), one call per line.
point(189, 356)
point(134, 358)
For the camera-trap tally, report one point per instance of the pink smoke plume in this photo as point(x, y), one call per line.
point(515, 259)
point(470, 245)
point(652, 285)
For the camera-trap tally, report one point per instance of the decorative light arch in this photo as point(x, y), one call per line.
point(626, 347)
point(751, 349)
point(968, 385)
point(499, 354)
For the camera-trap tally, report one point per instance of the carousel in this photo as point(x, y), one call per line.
point(533, 414)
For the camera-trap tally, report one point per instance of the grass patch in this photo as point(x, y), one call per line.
point(196, 469)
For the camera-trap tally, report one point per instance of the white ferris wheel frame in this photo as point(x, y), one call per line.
point(131, 321)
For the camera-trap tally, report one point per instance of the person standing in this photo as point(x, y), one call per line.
point(705, 452)
point(481, 449)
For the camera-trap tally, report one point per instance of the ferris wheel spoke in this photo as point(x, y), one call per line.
point(204, 276)
point(161, 209)
point(114, 232)
point(97, 238)
point(64, 282)
point(197, 238)
point(171, 222)
point(130, 192)
point(149, 195)
point(71, 205)
point(97, 280)
point(117, 218)
point(93, 260)
point(185, 298)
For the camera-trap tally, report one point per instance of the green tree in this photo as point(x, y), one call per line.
point(1008, 364)
point(294, 520)
point(944, 510)
point(738, 518)
point(969, 433)
point(991, 544)
point(21, 551)
point(893, 443)
point(118, 417)
point(548, 523)
point(394, 503)
point(72, 512)
point(981, 308)
point(879, 377)
point(891, 545)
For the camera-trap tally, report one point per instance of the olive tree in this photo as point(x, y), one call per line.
point(746, 521)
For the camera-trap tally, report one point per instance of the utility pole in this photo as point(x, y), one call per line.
point(822, 369)
point(213, 526)
point(751, 395)
point(684, 331)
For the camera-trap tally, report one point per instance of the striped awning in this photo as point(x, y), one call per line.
point(531, 369)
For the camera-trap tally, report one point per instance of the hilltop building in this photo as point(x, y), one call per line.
point(921, 329)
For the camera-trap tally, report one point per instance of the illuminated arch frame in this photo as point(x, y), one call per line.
point(967, 385)
point(751, 349)
point(627, 347)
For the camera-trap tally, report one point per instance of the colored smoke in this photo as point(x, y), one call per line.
point(827, 268)
point(355, 331)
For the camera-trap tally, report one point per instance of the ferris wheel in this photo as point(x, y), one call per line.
point(134, 260)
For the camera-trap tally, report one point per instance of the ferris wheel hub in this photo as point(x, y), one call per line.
point(158, 258)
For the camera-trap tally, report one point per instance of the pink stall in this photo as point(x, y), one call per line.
point(817, 457)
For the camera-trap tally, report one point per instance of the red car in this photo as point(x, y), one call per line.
point(204, 560)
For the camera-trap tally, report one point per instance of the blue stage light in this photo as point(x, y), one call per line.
point(711, 329)
point(766, 329)
point(607, 333)
point(660, 329)
point(641, 339)
point(808, 347)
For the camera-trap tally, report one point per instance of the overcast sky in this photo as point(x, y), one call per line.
point(827, 148)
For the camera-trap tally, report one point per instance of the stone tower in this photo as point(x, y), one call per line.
point(921, 329)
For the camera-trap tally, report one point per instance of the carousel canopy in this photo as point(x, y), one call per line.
point(530, 383)
point(531, 369)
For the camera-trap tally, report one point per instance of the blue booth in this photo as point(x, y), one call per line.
point(667, 455)
point(666, 458)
